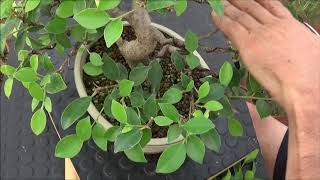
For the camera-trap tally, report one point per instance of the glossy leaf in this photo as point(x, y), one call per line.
point(7, 70)
point(92, 18)
point(169, 111)
point(162, 121)
point(180, 6)
point(172, 96)
point(264, 108)
point(83, 129)
point(56, 84)
point(174, 132)
point(136, 99)
point(171, 159)
point(31, 5)
point(195, 149)
point(34, 104)
point(198, 125)
point(225, 74)
point(133, 117)
point(110, 68)
point(112, 32)
point(36, 91)
point(235, 127)
point(34, 62)
point(96, 59)
point(64, 9)
point(191, 41)
point(48, 104)
point(8, 87)
point(150, 107)
point(213, 106)
point(203, 90)
point(136, 154)
point(192, 61)
point(249, 175)
point(92, 70)
point(98, 136)
point(38, 122)
point(212, 140)
point(251, 156)
point(146, 137)
point(68, 147)
point(178, 60)
point(119, 112)
point(112, 133)
point(127, 140)
point(217, 6)
point(107, 4)
point(125, 87)
point(56, 25)
point(26, 75)
point(139, 74)
point(155, 75)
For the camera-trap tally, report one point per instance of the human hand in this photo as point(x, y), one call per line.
point(282, 54)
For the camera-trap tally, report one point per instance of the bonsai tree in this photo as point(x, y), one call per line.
point(159, 87)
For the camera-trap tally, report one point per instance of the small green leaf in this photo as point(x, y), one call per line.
point(119, 112)
point(171, 158)
point(212, 140)
point(76, 109)
point(34, 62)
point(139, 74)
point(136, 99)
point(198, 125)
point(251, 156)
point(38, 122)
point(123, 71)
point(36, 91)
point(136, 154)
point(68, 147)
point(264, 108)
point(155, 75)
point(8, 87)
point(95, 59)
point(172, 96)
point(180, 6)
point(225, 74)
point(7, 70)
point(170, 111)
point(26, 75)
point(227, 175)
point(56, 84)
point(92, 18)
point(197, 113)
point(249, 175)
point(110, 68)
point(34, 104)
point(113, 32)
point(64, 9)
point(20, 42)
point(98, 136)
point(31, 5)
point(162, 121)
point(105, 5)
point(78, 6)
point(217, 6)
point(126, 129)
point(216, 93)
point(190, 86)
point(146, 137)
point(78, 32)
point(127, 140)
point(56, 25)
point(192, 61)
point(63, 40)
point(92, 70)
point(22, 55)
point(83, 129)
point(125, 87)
point(178, 60)
point(174, 132)
point(213, 106)
point(48, 104)
point(5, 8)
point(150, 107)
point(191, 41)
point(156, 4)
point(195, 149)
point(204, 90)
point(133, 117)
point(112, 133)
point(235, 127)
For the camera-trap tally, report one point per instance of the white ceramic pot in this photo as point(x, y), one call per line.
point(156, 145)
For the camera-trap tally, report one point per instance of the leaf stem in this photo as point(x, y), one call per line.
point(123, 15)
point(54, 126)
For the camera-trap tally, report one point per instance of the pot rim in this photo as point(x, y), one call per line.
point(155, 145)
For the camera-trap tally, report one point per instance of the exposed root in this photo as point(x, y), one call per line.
point(167, 49)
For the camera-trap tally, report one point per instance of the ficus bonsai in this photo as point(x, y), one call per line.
point(134, 99)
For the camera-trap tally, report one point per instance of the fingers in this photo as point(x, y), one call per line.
point(276, 8)
point(254, 9)
point(232, 29)
point(241, 17)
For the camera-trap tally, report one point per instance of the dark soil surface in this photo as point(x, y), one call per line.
point(170, 77)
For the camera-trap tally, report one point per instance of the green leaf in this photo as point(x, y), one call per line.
point(7, 70)
point(156, 4)
point(126, 129)
point(136, 99)
point(112, 133)
point(212, 140)
point(155, 75)
point(190, 86)
point(48, 104)
point(127, 140)
point(191, 41)
point(217, 6)
point(20, 41)
point(162, 121)
point(204, 90)
point(170, 111)
point(136, 154)
point(150, 107)
point(92, 70)
point(34, 62)
point(34, 104)
point(119, 112)
point(36, 91)
point(98, 136)
point(95, 59)
point(225, 74)
point(83, 129)
point(68, 147)
point(113, 32)
point(172, 96)
point(198, 125)
point(171, 158)
point(235, 127)
point(139, 74)
point(78, 6)
point(195, 149)
point(249, 175)
point(78, 32)
point(8, 87)
point(31, 5)
point(38, 122)
point(213, 106)
point(125, 87)
point(133, 117)
point(5, 8)
point(92, 18)
point(174, 132)
point(64, 9)
point(110, 68)
point(56, 25)
point(22, 55)
point(254, 85)
point(192, 61)
point(264, 108)
point(123, 71)
point(197, 113)
point(146, 137)
point(216, 93)
point(108, 102)
point(227, 175)
point(251, 156)
point(47, 63)
point(180, 6)
point(26, 75)
point(105, 5)
point(76, 109)
point(56, 84)
point(63, 40)
point(178, 60)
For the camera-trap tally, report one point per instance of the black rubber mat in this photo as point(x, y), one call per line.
point(25, 156)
